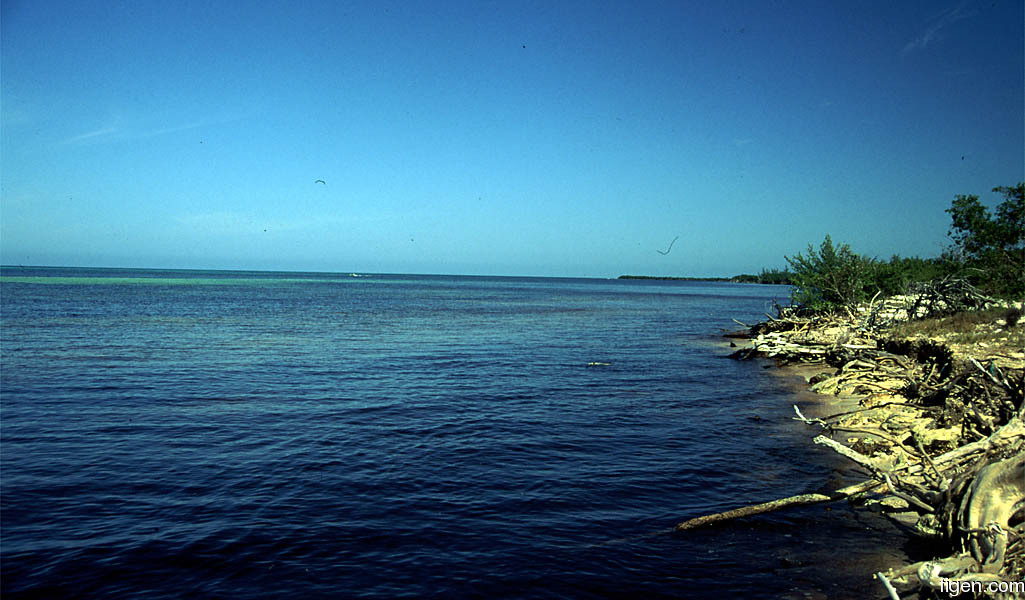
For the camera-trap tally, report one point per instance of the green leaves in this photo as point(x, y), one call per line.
point(830, 278)
point(990, 252)
point(992, 247)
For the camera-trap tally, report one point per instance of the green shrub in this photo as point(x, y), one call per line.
point(828, 279)
point(989, 250)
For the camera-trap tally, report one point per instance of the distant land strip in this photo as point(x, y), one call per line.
point(675, 278)
point(734, 279)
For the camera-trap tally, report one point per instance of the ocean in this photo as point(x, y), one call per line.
point(216, 434)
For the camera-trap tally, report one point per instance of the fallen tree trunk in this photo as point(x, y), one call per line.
point(774, 505)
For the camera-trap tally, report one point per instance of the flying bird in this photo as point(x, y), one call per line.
point(667, 250)
point(320, 181)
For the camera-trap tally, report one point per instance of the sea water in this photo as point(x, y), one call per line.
point(203, 434)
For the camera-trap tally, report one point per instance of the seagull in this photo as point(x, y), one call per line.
point(320, 181)
point(669, 248)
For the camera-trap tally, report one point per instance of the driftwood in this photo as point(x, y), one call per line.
point(942, 433)
point(890, 590)
point(774, 505)
point(923, 300)
point(1013, 433)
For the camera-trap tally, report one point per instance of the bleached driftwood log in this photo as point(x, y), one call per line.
point(774, 505)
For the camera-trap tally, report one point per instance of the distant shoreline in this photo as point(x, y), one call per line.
point(656, 278)
point(770, 279)
point(735, 279)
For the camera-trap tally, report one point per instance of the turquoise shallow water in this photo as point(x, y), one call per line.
point(175, 434)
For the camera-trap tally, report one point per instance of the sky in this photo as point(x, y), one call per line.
point(551, 138)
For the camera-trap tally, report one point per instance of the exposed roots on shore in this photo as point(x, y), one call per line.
point(938, 430)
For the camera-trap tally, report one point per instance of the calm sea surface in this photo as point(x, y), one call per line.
point(200, 434)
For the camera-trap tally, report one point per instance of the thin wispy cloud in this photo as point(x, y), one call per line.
point(92, 136)
point(935, 30)
point(171, 129)
point(120, 134)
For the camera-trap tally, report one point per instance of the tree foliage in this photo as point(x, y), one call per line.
point(829, 278)
point(991, 247)
point(891, 278)
point(770, 276)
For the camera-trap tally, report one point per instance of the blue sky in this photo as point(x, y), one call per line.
point(513, 138)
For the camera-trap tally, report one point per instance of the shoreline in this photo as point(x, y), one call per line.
point(873, 397)
point(864, 541)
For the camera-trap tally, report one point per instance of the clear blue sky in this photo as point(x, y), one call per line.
point(515, 138)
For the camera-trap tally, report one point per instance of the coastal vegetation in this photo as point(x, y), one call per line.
point(990, 248)
point(830, 278)
point(988, 252)
point(658, 278)
point(768, 276)
point(926, 358)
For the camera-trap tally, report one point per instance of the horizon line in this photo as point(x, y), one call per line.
point(626, 276)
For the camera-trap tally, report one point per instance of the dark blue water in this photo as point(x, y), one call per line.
point(184, 434)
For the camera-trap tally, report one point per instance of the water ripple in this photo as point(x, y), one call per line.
point(410, 437)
